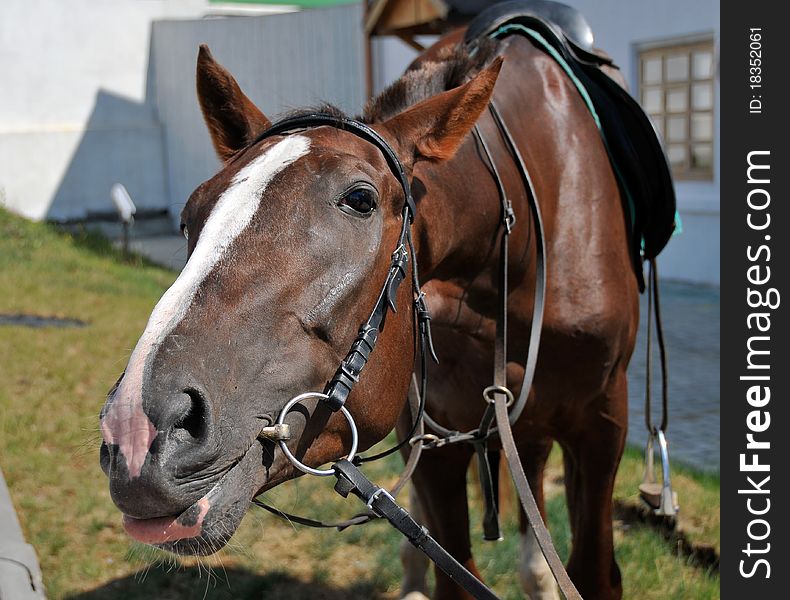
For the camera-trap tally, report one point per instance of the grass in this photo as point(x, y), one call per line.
point(53, 385)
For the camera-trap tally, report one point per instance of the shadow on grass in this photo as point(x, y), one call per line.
point(193, 582)
point(699, 555)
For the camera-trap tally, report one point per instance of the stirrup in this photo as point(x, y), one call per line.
point(659, 497)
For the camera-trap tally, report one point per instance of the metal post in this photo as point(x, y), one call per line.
point(125, 227)
point(126, 209)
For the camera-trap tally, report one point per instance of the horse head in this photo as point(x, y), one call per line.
point(289, 244)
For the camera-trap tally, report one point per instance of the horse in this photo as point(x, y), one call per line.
point(288, 245)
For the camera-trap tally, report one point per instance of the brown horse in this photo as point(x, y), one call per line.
point(289, 244)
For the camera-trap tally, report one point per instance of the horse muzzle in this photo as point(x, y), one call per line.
point(159, 460)
point(206, 525)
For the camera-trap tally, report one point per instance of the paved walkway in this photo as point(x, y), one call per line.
point(166, 250)
point(20, 576)
point(691, 323)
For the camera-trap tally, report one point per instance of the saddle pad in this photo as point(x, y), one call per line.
point(633, 146)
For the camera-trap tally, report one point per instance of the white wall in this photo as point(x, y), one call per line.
point(281, 62)
point(91, 97)
point(619, 27)
point(74, 110)
point(78, 109)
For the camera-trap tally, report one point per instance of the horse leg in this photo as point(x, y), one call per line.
point(415, 563)
point(440, 479)
point(591, 467)
point(534, 573)
point(571, 478)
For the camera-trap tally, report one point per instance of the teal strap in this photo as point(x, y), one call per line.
point(556, 56)
point(587, 100)
point(678, 225)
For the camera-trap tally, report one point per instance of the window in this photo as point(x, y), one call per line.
point(676, 91)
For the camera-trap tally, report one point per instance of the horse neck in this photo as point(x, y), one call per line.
point(459, 217)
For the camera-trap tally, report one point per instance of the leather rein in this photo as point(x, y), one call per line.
point(502, 409)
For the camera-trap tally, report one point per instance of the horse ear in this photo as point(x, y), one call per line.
point(232, 119)
point(435, 128)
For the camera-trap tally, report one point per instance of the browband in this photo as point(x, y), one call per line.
point(359, 129)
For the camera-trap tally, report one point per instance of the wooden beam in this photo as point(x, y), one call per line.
point(389, 16)
point(373, 13)
point(410, 41)
point(368, 55)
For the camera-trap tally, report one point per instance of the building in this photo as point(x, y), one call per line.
point(103, 91)
point(88, 104)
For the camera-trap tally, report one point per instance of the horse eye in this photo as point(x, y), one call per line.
point(360, 202)
point(184, 231)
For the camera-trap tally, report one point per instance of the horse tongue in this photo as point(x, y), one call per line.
point(161, 530)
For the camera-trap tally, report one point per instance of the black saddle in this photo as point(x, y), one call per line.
point(567, 23)
point(634, 148)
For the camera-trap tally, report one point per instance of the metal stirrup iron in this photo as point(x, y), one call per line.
point(658, 496)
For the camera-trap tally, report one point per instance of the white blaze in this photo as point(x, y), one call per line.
point(126, 423)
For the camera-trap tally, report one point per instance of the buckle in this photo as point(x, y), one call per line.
point(374, 496)
point(509, 218)
point(433, 441)
point(400, 258)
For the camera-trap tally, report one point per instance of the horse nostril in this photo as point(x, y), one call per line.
point(192, 421)
point(104, 458)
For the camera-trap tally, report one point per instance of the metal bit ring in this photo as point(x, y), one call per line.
point(295, 461)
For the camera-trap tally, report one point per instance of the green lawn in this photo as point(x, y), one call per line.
point(53, 385)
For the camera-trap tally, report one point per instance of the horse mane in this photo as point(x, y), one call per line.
point(426, 78)
point(423, 79)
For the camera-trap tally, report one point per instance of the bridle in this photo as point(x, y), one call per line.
point(350, 480)
point(347, 375)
